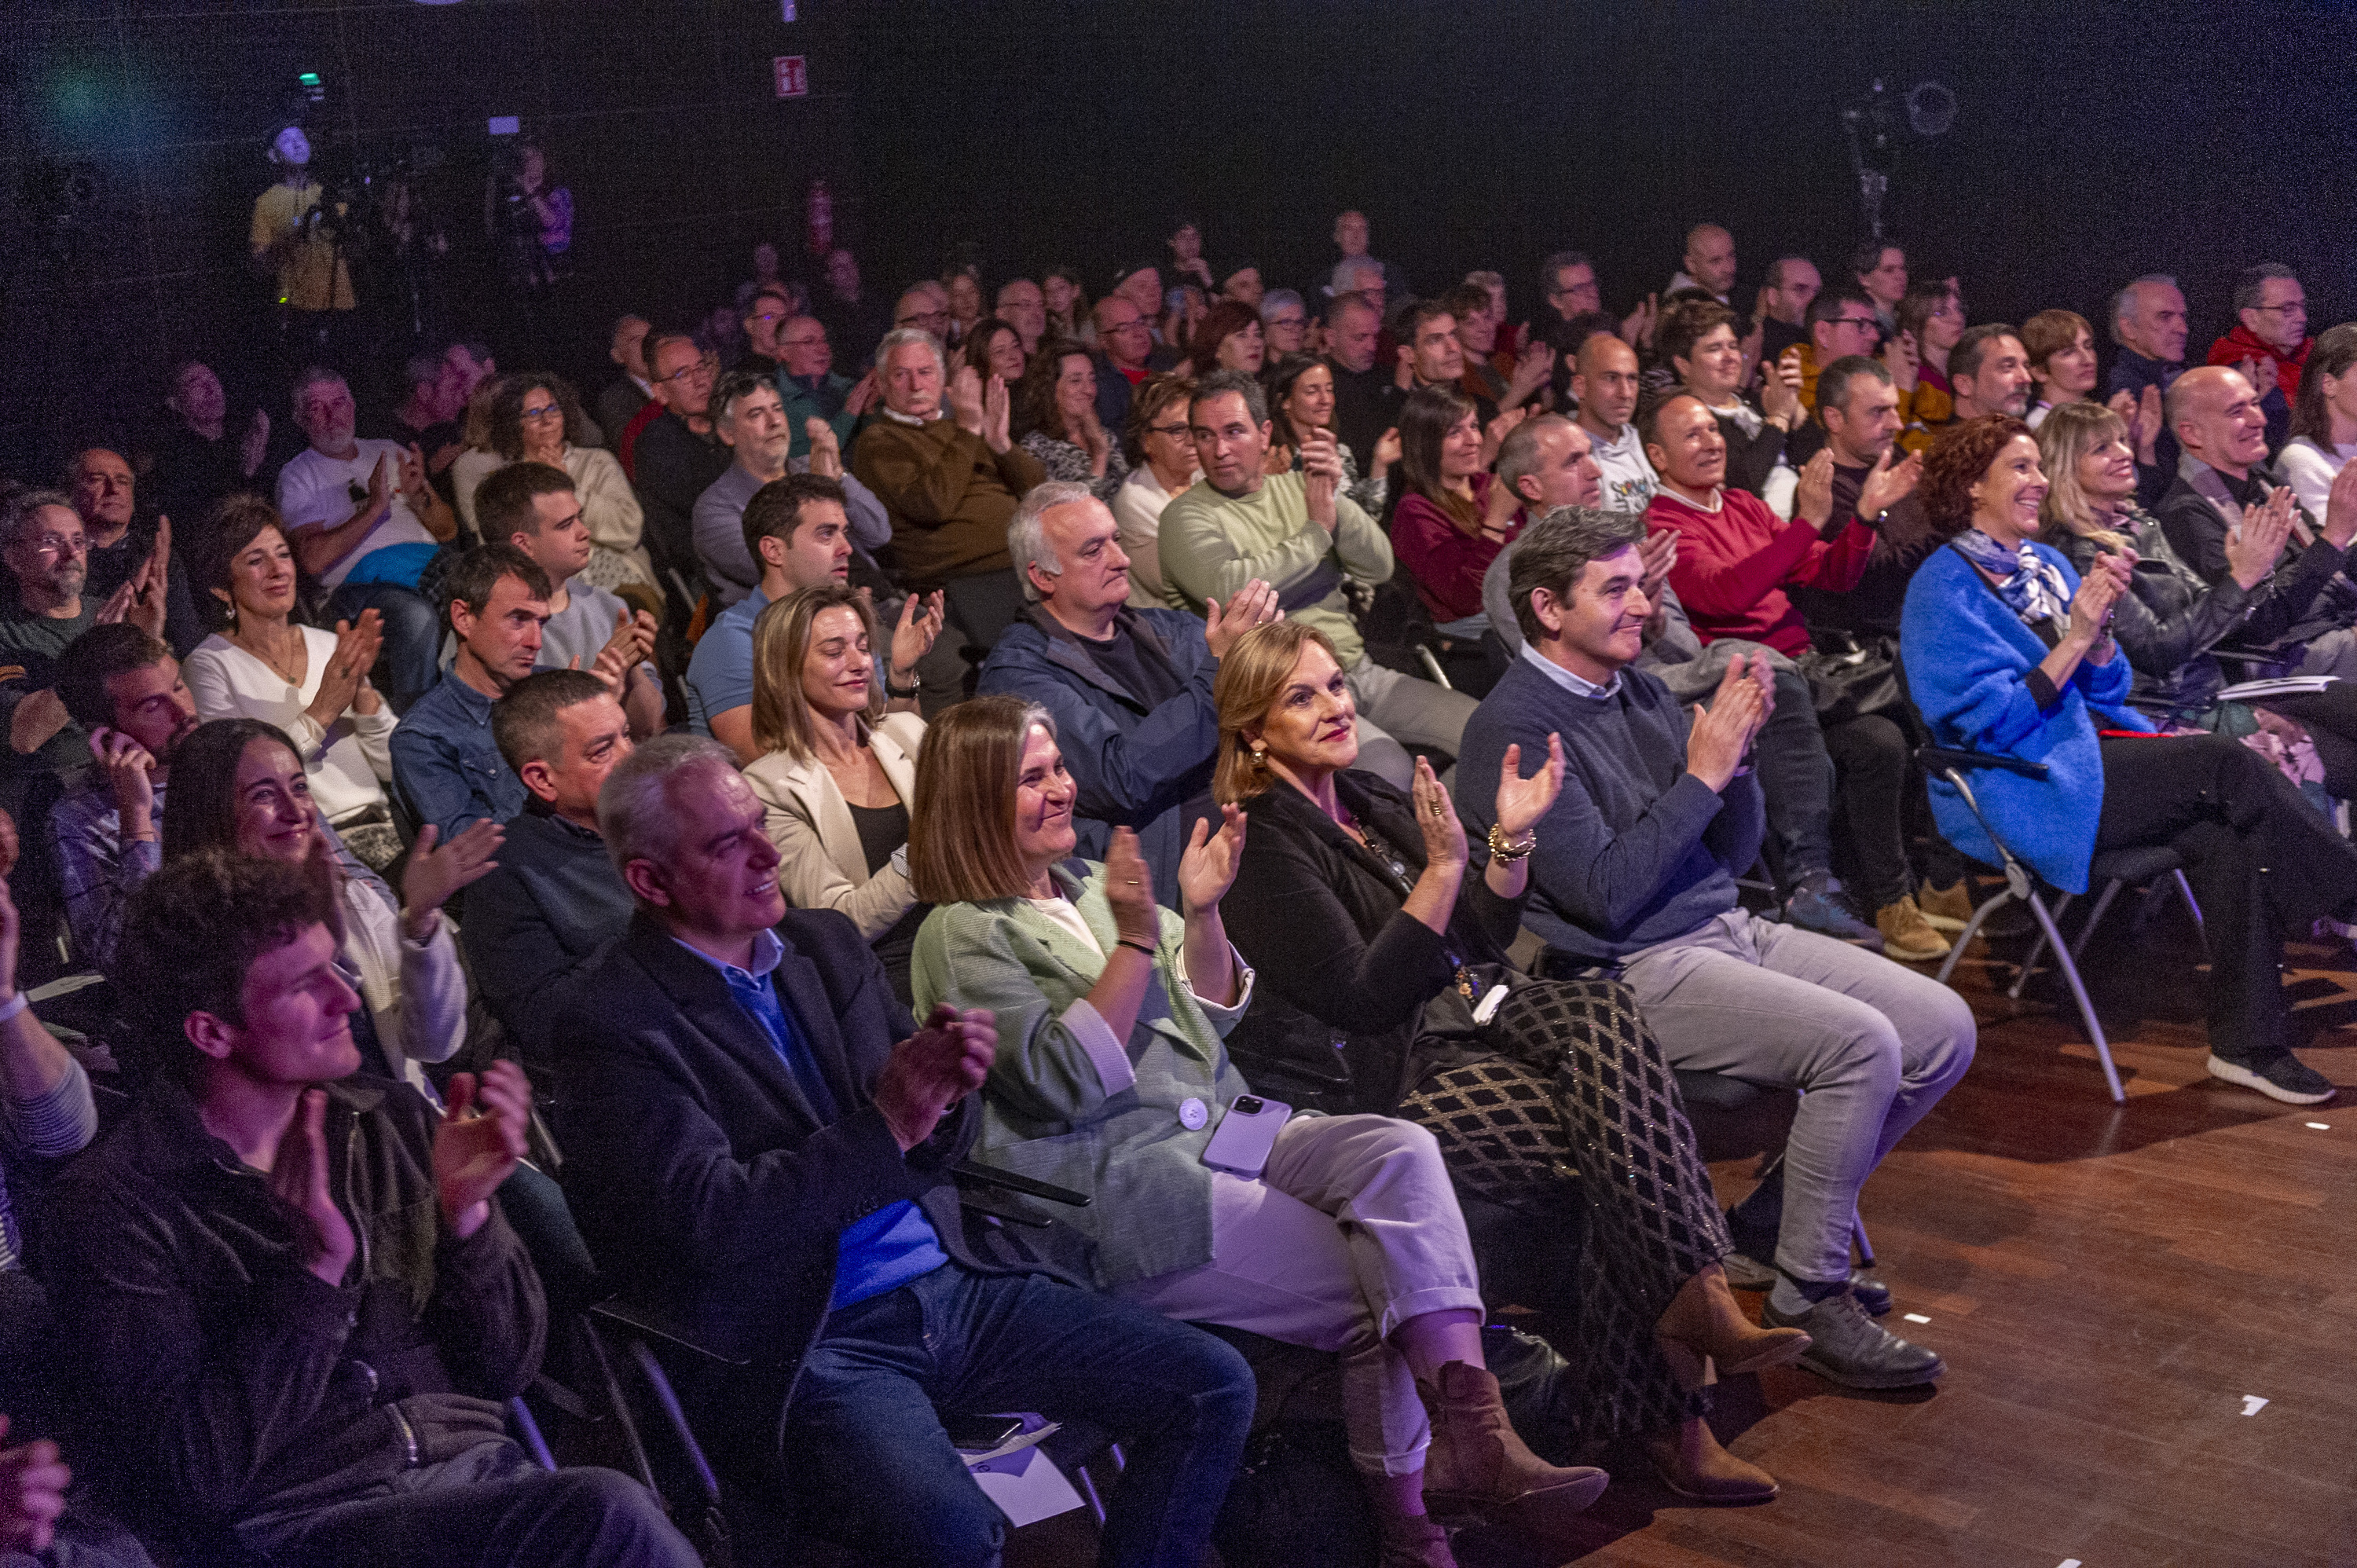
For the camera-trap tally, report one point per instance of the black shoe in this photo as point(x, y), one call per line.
point(1871, 1293)
point(2287, 1079)
point(1848, 1348)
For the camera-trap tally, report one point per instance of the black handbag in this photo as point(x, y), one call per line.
point(1851, 681)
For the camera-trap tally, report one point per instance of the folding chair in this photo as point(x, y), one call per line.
point(2112, 869)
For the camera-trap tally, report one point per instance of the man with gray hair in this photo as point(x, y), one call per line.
point(2269, 343)
point(2147, 321)
point(749, 417)
point(759, 1137)
point(1130, 689)
point(1297, 533)
point(1635, 875)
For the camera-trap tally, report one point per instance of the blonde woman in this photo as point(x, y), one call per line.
point(837, 772)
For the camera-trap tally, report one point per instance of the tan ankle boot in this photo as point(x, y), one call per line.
point(1478, 1466)
point(1702, 1320)
point(1412, 1540)
point(1690, 1462)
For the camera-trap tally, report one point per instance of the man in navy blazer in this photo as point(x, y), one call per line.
point(758, 1137)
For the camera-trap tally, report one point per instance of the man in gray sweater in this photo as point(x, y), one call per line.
point(1634, 876)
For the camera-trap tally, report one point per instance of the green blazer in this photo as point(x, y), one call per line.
point(1054, 1107)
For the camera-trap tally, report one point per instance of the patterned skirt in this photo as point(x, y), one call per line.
point(1581, 1089)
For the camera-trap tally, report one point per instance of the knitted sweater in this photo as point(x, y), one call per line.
point(1735, 560)
point(950, 497)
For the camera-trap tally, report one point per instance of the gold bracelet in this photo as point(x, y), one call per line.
point(1509, 853)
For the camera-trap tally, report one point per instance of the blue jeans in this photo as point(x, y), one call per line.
point(413, 636)
point(874, 1470)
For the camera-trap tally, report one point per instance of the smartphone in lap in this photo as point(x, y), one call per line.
point(1241, 1142)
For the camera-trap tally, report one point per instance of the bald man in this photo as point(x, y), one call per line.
point(1605, 382)
point(1710, 263)
point(2215, 415)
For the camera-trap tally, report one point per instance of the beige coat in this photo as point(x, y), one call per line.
point(811, 826)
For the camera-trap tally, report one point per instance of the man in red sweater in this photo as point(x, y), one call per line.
point(2269, 343)
point(1735, 558)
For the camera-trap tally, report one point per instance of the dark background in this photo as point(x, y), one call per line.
point(2094, 142)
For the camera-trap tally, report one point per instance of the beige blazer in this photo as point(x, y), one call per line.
point(811, 826)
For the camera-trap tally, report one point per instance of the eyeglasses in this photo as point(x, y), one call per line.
point(1863, 323)
point(819, 342)
point(700, 371)
point(1175, 432)
point(2289, 307)
point(545, 411)
point(1276, 321)
point(61, 544)
point(1136, 326)
point(924, 319)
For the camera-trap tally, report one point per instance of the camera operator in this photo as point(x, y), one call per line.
point(529, 220)
point(297, 244)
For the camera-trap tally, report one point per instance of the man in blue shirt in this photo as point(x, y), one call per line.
point(746, 1143)
point(445, 764)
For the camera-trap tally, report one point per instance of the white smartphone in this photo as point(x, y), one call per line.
point(1241, 1142)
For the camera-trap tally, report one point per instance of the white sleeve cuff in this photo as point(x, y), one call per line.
point(1104, 1052)
point(1220, 1013)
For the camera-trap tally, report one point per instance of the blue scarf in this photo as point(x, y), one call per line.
point(2030, 585)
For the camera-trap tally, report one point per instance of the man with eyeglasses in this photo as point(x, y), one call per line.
point(925, 307)
point(1022, 305)
point(809, 388)
point(2269, 343)
point(1841, 322)
point(679, 455)
point(752, 421)
point(1126, 355)
point(1792, 285)
point(764, 321)
point(104, 489)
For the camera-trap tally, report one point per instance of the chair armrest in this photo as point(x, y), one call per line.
point(967, 1170)
point(1940, 758)
point(637, 1316)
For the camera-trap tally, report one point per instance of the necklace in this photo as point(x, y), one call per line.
point(279, 667)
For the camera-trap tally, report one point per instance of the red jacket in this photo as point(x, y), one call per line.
point(2243, 344)
point(1446, 562)
point(1734, 563)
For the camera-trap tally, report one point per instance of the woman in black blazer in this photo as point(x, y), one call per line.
point(1354, 905)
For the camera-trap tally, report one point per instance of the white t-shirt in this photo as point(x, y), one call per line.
point(2309, 467)
point(315, 491)
point(1628, 479)
point(346, 764)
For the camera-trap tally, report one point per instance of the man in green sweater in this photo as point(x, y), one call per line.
point(1298, 533)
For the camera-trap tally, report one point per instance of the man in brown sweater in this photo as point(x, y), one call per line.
point(951, 481)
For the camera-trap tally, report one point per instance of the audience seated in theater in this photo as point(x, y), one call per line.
point(627, 393)
point(762, 313)
point(1930, 320)
point(554, 898)
point(1708, 263)
point(1161, 448)
point(1430, 356)
point(372, 550)
point(1572, 291)
point(1022, 305)
point(1363, 386)
point(2169, 619)
point(948, 478)
point(102, 486)
point(996, 348)
point(535, 418)
point(2222, 475)
point(1879, 268)
point(2061, 350)
point(1793, 282)
point(534, 508)
point(445, 763)
point(1634, 873)
point(758, 1137)
point(750, 420)
point(1605, 383)
point(1131, 689)
point(797, 529)
point(1448, 521)
point(1300, 390)
point(1480, 312)
point(813, 389)
point(2148, 324)
point(1857, 419)
point(924, 306)
point(1736, 559)
point(44, 1099)
point(2323, 418)
point(1055, 410)
point(1989, 369)
point(197, 459)
point(2269, 342)
point(217, 1323)
point(1112, 1011)
point(1284, 323)
point(1229, 338)
point(1841, 322)
point(1126, 354)
point(1300, 534)
point(44, 544)
point(1357, 906)
point(2025, 665)
point(124, 689)
point(243, 790)
point(837, 769)
point(854, 318)
point(1697, 341)
point(679, 455)
point(1351, 237)
point(313, 684)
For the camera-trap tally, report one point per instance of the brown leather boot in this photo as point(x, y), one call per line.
point(1702, 1320)
point(1690, 1462)
point(1479, 1467)
point(1412, 1540)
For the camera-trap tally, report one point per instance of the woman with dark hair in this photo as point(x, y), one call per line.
point(240, 785)
point(1300, 389)
point(537, 418)
point(2323, 419)
point(2061, 351)
point(1160, 447)
point(962, 281)
point(1363, 917)
point(1449, 519)
point(311, 684)
point(1343, 1234)
point(1067, 302)
point(2010, 651)
point(1229, 338)
point(994, 348)
point(1931, 322)
point(1055, 419)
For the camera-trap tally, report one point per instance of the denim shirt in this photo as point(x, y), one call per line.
point(446, 765)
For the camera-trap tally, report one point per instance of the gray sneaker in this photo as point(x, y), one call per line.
point(1848, 1348)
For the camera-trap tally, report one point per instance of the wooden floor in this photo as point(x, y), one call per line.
point(2112, 1287)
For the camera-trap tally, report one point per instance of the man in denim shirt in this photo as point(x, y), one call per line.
point(446, 765)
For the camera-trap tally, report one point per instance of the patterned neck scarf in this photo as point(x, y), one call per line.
point(2029, 583)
